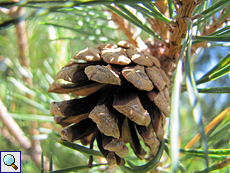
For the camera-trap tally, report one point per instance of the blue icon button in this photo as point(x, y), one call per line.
point(9, 160)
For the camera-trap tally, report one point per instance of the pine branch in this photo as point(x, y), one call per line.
point(216, 167)
point(23, 47)
point(211, 125)
point(162, 6)
point(180, 27)
point(126, 29)
point(217, 23)
point(18, 134)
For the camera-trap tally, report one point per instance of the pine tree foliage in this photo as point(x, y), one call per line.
point(190, 38)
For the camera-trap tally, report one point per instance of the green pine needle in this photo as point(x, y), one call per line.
point(42, 163)
point(149, 166)
point(80, 148)
point(75, 168)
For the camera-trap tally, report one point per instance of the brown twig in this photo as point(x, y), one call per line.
point(122, 24)
point(23, 48)
point(11, 125)
point(185, 10)
point(168, 54)
point(157, 48)
point(216, 24)
point(210, 126)
point(16, 131)
point(8, 136)
point(163, 29)
point(211, 28)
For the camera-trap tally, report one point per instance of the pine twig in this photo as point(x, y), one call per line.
point(19, 135)
point(13, 127)
point(16, 131)
point(126, 29)
point(216, 24)
point(22, 43)
point(184, 11)
point(163, 29)
point(216, 167)
point(214, 122)
point(23, 49)
point(211, 28)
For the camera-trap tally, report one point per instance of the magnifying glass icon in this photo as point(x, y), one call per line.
point(9, 160)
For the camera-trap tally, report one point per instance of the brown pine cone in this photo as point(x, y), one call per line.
point(124, 99)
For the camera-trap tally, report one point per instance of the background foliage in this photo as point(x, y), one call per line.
point(58, 30)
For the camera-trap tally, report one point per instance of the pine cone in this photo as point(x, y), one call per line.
point(124, 99)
